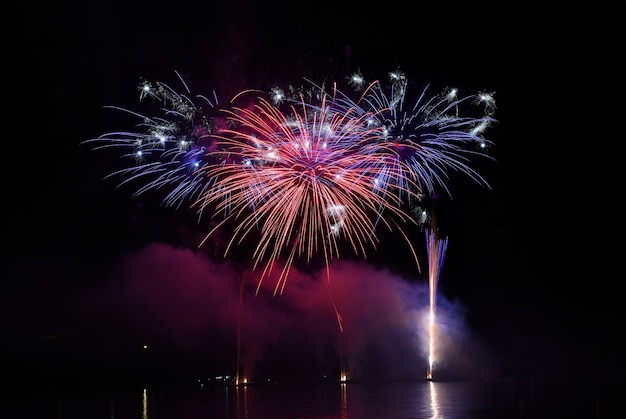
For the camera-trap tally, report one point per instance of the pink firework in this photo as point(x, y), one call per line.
point(301, 181)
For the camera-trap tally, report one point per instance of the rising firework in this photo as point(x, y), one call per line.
point(436, 249)
point(303, 171)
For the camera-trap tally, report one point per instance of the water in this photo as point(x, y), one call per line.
point(498, 399)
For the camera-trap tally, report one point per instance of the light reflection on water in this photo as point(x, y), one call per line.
point(406, 400)
point(145, 403)
point(344, 400)
point(434, 403)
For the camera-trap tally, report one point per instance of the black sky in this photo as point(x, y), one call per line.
point(529, 261)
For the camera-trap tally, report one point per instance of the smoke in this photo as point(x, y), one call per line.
point(202, 309)
point(201, 314)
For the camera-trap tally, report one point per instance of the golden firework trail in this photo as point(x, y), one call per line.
point(436, 249)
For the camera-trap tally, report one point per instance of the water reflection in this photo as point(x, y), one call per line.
point(434, 402)
point(424, 399)
point(144, 399)
point(344, 400)
point(242, 401)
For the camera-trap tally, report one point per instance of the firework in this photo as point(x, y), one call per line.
point(167, 151)
point(304, 172)
point(436, 248)
point(306, 180)
point(430, 137)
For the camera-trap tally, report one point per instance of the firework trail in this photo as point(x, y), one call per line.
point(307, 172)
point(436, 249)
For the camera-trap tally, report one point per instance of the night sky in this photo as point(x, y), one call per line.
point(527, 283)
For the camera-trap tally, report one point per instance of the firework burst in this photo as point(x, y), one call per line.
point(430, 136)
point(302, 180)
point(303, 171)
point(167, 150)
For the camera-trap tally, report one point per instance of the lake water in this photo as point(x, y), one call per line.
point(497, 399)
